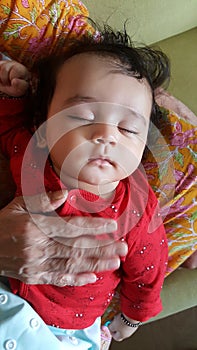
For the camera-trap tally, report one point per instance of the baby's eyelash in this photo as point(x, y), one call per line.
point(75, 117)
point(90, 121)
point(128, 131)
point(79, 118)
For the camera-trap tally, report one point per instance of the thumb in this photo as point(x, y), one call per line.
point(45, 202)
point(112, 326)
point(114, 331)
point(20, 87)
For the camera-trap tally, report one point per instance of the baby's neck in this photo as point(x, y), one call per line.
point(105, 191)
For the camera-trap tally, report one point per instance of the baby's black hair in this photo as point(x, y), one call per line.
point(137, 61)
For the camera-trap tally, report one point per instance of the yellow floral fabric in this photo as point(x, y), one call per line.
point(171, 168)
point(31, 29)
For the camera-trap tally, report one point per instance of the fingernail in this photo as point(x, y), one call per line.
point(123, 249)
point(111, 226)
point(114, 264)
point(92, 279)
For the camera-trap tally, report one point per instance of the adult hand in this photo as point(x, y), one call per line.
point(40, 247)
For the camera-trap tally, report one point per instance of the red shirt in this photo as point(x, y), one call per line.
point(135, 208)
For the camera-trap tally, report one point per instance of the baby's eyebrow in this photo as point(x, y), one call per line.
point(138, 116)
point(78, 99)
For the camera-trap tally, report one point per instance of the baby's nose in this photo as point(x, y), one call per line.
point(105, 140)
point(105, 134)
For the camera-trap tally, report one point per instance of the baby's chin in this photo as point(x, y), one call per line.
point(100, 178)
point(90, 182)
point(99, 188)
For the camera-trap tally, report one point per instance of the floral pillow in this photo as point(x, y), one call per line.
point(171, 168)
point(33, 28)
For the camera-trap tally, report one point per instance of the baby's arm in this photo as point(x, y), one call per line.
point(123, 327)
point(143, 269)
point(14, 78)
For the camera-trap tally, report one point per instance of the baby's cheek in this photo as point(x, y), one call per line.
point(130, 164)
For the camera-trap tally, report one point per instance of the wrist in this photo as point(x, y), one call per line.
point(129, 321)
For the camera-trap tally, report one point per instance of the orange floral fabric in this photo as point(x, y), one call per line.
point(171, 168)
point(31, 29)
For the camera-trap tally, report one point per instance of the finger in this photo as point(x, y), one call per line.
point(114, 333)
point(92, 264)
point(90, 225)
point(5, 67)
point(45, 202)
point(59, 227)
point(104, 249)
point(112, 326)
point(38, 276)
point(19, 71)
point(19, 87)
point(113, 330)
point(48, 202)
point(72, 265)
point(57, 279)
point(73, 280)
point(58, 271)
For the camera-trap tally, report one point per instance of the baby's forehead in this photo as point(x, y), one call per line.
point(109, 62)
point(102, 78)
point(105, 59)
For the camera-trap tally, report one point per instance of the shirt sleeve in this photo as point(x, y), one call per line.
point(144, 268)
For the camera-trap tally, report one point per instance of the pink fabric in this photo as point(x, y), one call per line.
point(166, 100)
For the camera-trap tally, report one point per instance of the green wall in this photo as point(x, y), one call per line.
point(182, 51)
point(149, 21)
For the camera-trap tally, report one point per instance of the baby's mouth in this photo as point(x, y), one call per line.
point(101, 161)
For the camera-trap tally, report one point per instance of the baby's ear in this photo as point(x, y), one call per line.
point(40, 135)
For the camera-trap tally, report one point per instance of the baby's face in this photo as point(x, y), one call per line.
point(97, 122)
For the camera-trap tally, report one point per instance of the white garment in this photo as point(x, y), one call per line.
point(84, 339)
point(22, 328)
